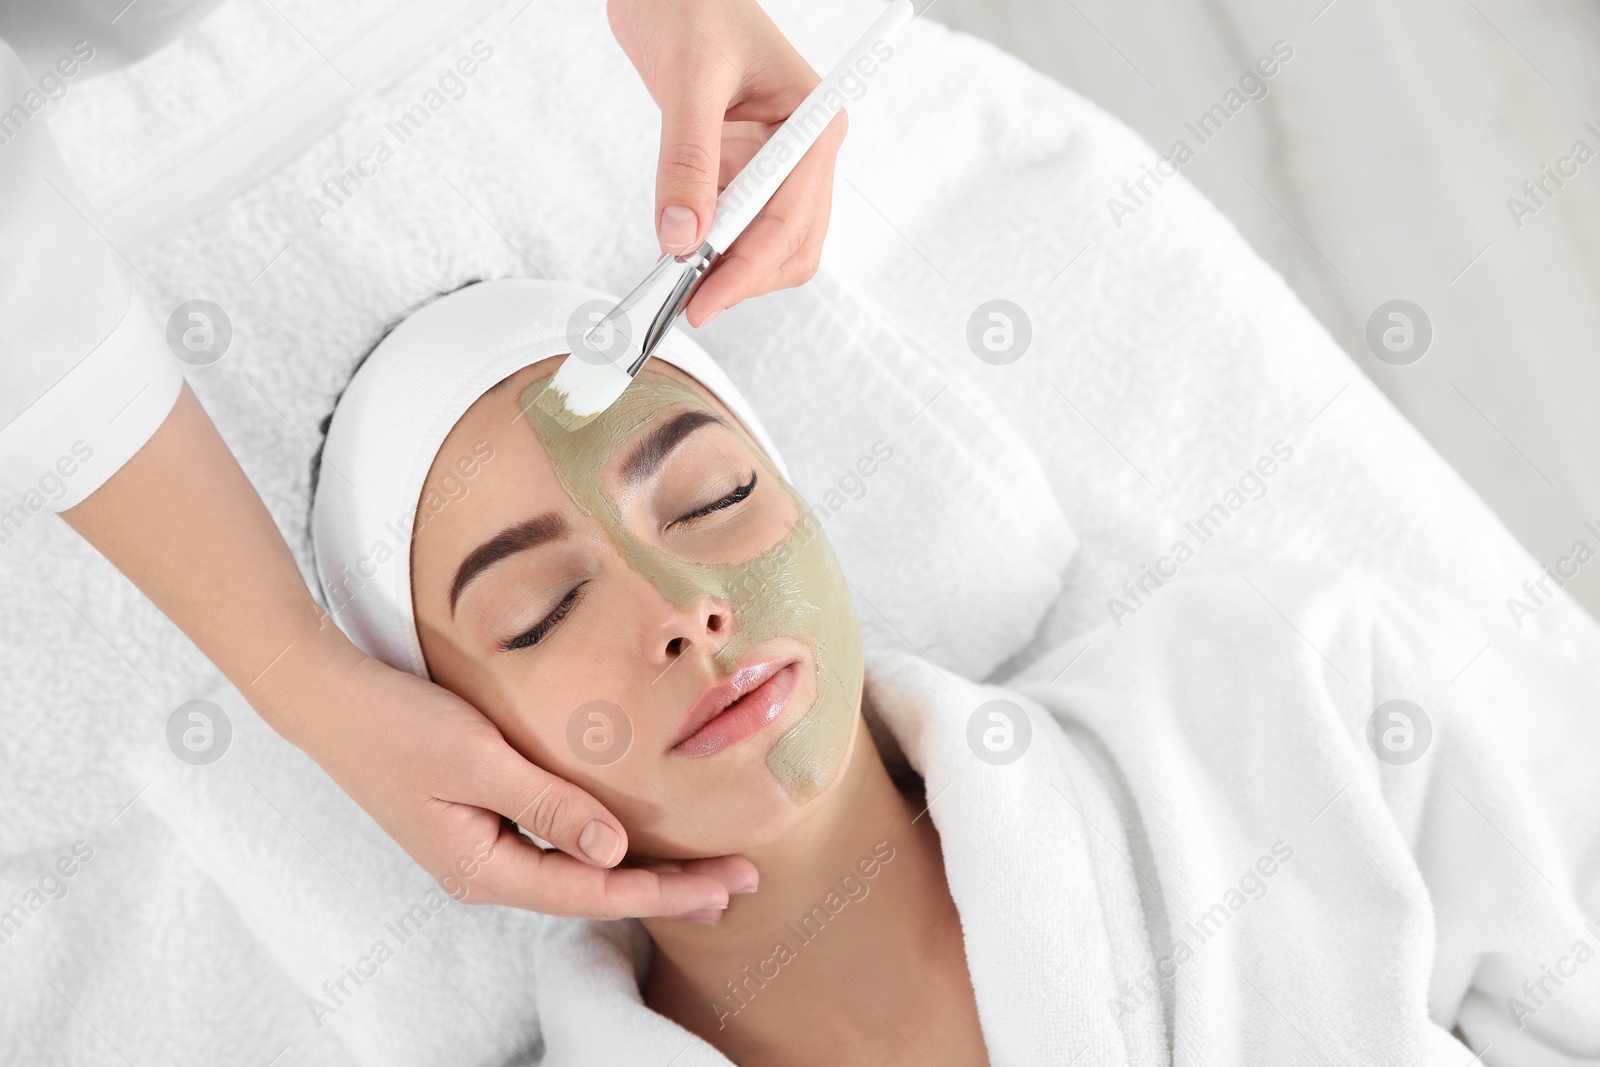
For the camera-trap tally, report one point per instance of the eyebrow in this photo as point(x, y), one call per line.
point(656, 445)
point(508, 542)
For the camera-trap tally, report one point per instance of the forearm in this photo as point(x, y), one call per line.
point(184, 524)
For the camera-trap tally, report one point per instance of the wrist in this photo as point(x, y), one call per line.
point(308, 682)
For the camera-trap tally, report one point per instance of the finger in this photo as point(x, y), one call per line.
point(778, 249)
point(736, 873)
point(779, 80)
point(744, 270)
point(740, 142)
point(802, 266)
point(691, 150)
point(549, 807)
point(705, 916)
point(519, 874)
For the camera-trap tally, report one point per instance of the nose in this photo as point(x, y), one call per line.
point(707, 624)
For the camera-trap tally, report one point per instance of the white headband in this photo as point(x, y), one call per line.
point(397, 411)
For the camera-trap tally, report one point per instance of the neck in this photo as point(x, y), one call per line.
point(858, 887)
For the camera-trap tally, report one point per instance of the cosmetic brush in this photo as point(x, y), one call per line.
point(616, 347)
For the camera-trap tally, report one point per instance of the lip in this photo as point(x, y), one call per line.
point(730, 711)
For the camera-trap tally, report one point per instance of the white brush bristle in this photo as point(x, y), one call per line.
point(587, 388)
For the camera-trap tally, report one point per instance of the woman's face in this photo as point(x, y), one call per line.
point(644, 607)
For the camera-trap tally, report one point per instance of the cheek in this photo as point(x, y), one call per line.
point(593, 743)
point(566, 712)
point(581, 709)
point(808, 759)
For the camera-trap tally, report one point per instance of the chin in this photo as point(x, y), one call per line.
point(732, 802)
point(727, 819)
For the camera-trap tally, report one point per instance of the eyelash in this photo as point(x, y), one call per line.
point(741, 493)
point(541, 631)
point(538, 633)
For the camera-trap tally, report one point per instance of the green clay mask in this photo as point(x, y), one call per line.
point(794, 589)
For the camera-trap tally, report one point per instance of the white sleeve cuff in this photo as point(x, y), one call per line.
point(91, 422)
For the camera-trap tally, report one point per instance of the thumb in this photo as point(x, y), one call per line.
point(691, 155)
point(551, 808)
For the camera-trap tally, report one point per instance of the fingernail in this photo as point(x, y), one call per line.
point(705, 916)
point(599, 842)
point(738, 874)
point(707, 320)
point(678, 226)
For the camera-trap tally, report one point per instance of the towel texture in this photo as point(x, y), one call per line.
point(1193, 855)
point(1166, 360)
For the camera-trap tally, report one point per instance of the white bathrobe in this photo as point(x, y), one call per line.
point(1201, 859)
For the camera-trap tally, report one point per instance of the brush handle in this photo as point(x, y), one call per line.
point(749, 192)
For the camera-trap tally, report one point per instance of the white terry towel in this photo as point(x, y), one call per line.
point(267, 885)
point(1199, 859)
point(221, 898)
point(1033, 850)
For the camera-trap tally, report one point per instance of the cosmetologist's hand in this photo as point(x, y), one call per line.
point(725, 79)
point(437, 776)
point(182, 521)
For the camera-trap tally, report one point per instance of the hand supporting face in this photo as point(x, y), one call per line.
point(182, 521)
point(438, 777)
point(184, 524)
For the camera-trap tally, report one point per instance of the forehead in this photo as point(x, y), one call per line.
point(493, 470)
point(499, 416)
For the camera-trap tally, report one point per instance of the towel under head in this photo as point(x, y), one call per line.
point(397, 410)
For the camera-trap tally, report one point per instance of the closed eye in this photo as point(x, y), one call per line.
point(542, 629)
point(726, 502)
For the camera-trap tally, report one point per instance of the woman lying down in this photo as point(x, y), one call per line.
point(1287, 818)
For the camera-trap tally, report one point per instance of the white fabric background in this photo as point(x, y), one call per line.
point(1166, 358)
